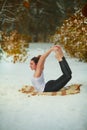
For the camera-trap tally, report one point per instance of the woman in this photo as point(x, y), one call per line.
point(37, 64)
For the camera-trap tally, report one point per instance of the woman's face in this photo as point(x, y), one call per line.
point(33, 65)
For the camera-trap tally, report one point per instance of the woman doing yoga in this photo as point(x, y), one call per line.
point(37, 64)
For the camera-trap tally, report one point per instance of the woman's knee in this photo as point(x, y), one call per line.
point(69, 77)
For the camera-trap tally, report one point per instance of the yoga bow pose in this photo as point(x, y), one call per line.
point(37, 64)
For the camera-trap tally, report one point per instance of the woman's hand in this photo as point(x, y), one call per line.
point(59, 53)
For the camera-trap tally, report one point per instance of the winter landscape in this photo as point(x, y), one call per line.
point(20, 112)
point(28, 28)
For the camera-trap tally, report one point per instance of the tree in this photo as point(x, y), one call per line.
point(39, 18)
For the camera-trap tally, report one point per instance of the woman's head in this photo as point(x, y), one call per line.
point(34, 62)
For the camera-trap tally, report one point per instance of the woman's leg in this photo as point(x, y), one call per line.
point(56, 85)
point(67, 66)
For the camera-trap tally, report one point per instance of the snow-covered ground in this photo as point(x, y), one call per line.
point(20, 112)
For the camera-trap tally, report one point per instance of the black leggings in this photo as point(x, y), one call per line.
point(56, 85)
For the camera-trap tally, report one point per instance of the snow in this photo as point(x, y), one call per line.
point(20, 112)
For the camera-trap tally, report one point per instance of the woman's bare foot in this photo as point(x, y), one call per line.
point(58, 53)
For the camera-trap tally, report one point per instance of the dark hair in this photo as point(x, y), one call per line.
point(36, 59)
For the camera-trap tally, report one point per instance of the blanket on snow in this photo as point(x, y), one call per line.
point(72, 89)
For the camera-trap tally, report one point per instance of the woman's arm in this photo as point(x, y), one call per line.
point(40, 65)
